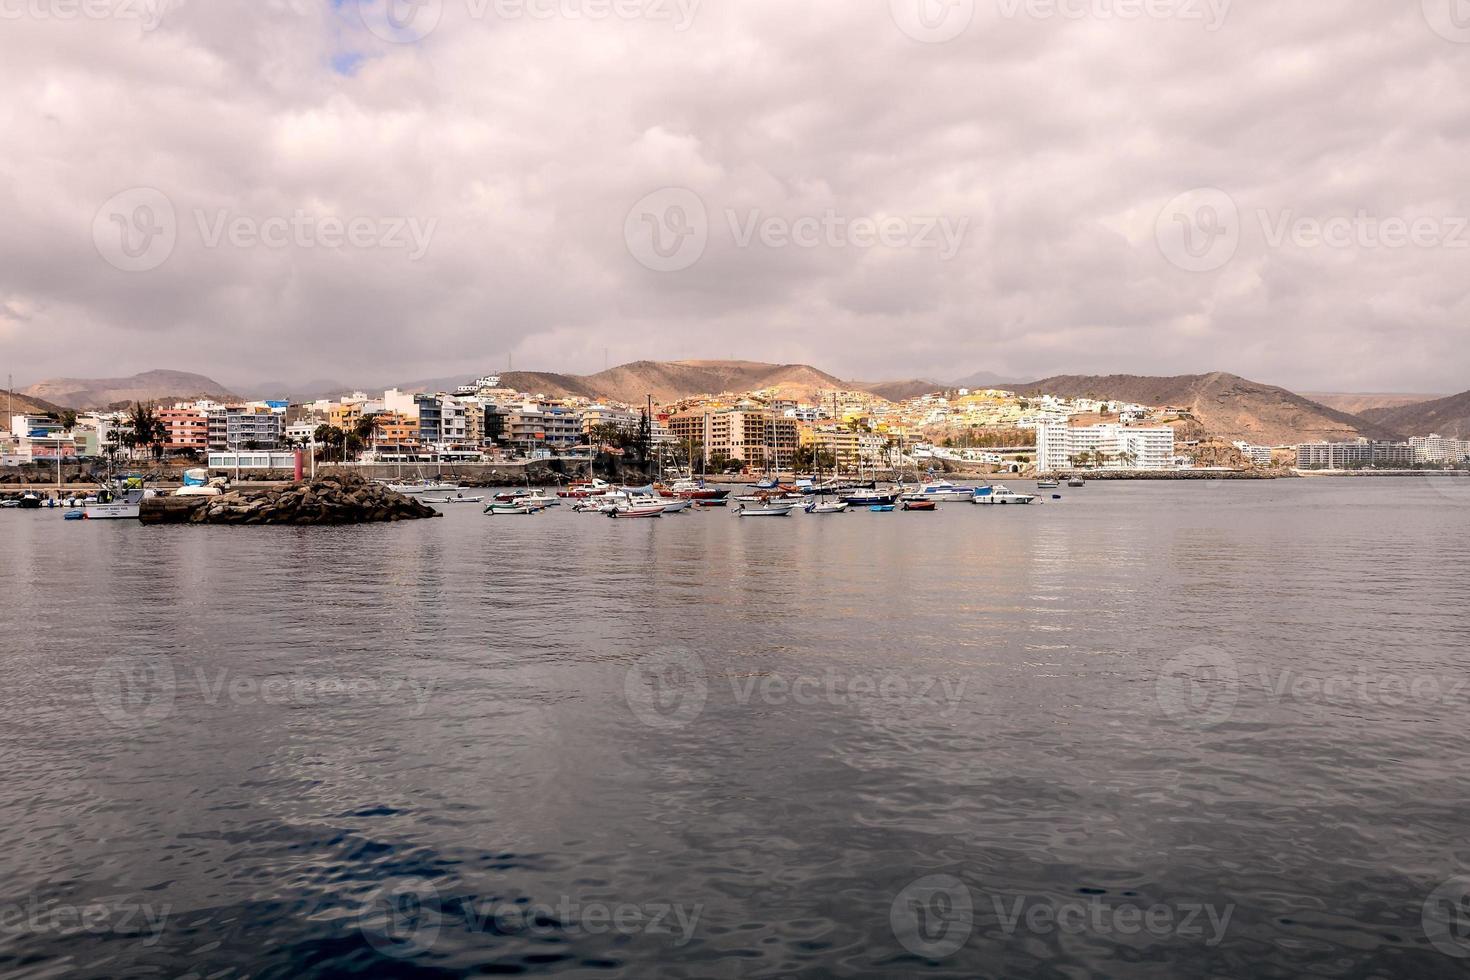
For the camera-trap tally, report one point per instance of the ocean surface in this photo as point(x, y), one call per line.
point(1148, 730)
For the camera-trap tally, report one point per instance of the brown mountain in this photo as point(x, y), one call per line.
point(23, 404)
point(669, 381)
point(1444, 416)
point(1356, 403)
point(1227, 406)
point(98, 393)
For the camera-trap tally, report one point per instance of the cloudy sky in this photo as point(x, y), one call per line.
point(299, 189)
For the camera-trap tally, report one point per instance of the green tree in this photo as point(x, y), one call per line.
point(145, 430)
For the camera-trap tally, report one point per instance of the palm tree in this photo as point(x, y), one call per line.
point(145, 430)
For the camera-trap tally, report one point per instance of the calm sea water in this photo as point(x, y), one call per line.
point(1149, 730)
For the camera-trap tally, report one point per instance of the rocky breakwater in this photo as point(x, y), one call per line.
point(333, 500)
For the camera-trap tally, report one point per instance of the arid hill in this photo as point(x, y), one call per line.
point(1357, 403)
point(1227, 406)
point(23, 404)
point(669, 381)
point(100, 393)
point(1444, 416)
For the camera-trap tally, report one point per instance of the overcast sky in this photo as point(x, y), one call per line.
point(298, 189)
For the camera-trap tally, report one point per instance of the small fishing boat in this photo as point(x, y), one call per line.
point(1048, 484)
point(111, 507)
point(29, 501)
point(74, 515)
point(424, 486)
point(825, 507)
point(999, 495)
point(460, 499)
point(881, 508)
point(1076, 481)
point(920, 505)
point(715, 502)
point(676, 506)
point(637, 513)
point(768, 510)
point(506, 509)
point(9, 504)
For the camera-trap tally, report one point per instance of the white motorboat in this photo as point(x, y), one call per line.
point(999, 495)
point(766, 510)
point(825, 507)
point(644, 512)
point(941, 490)
point(676, 506)
point(460, 499)
point(424, 486)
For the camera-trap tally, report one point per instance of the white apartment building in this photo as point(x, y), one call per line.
point(1059, 445)
point(1439, 449)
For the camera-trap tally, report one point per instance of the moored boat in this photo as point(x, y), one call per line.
point(941, 490)
point(871, 498)
point(825, 507)
point(920, 505)
point(496, 509)
point(637, 513)
point(999, 495)
point(1048, 484)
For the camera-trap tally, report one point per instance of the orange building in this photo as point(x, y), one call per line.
point(395, 430)
point(187, 429)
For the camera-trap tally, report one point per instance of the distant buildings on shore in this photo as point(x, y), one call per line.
point(756, 430)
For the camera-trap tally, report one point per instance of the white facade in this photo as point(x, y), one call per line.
point(1058, 446)
point(1439, 449)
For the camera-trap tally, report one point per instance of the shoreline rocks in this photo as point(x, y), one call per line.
point(329, 501)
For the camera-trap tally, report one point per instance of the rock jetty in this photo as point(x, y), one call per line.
point(331, 500)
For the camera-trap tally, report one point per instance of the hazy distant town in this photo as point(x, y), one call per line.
point(486, 420)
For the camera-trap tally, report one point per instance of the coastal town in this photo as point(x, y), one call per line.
point(484, 421)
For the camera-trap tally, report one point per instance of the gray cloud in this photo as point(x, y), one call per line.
point(1058, 132)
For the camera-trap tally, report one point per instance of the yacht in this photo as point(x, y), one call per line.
point(941, 490)
point(999, 495)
